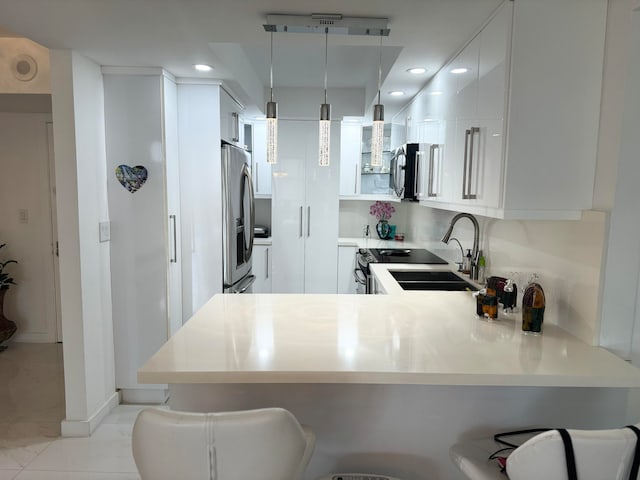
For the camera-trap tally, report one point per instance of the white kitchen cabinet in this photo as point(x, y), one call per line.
point(261, 268)
point(350, 156)
point(141, 130)
point(231, 120)
point(261, 170)
point(521, 129)
point(305, 208)
point(346, 266)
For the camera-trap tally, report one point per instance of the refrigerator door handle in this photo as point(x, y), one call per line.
point(246, 180)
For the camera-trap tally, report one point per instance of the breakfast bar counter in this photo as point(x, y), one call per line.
point(389, 382)
point(432, 338)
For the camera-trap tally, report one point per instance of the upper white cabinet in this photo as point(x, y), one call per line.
point(305, 210)
point(518, 128)
point(261, 170)
point(231, 120)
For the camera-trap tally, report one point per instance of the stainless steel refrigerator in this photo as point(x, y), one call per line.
point(238, 213)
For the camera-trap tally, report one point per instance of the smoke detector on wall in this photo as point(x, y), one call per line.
point(24, 67)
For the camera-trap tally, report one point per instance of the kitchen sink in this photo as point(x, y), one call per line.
point(430, 280)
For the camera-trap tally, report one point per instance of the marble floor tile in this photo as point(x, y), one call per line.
point(8, 474)
point(107, 450)
point(12, 457)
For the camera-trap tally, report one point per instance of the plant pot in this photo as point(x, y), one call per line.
point(7, 327)
point(383, 229)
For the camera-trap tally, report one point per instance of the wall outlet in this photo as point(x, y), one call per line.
point(23, 215)
point(105, 231)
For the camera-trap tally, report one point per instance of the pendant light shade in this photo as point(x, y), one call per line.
point(377, 132)
point(272, 118)
point(325, 115)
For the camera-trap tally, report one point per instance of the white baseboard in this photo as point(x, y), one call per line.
point(84, 428)
point(145, 396)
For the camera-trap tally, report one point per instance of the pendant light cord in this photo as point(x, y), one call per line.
point(271, 68)
point(380, 67)
point(326, 47)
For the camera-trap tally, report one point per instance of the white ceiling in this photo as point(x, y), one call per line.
point(228, 34)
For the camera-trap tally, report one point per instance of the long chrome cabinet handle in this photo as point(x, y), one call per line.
point(355, 182)
point(416, 171)
point(300, 234)
point(257, 177)
point(467, 134)
point(308, 221)
point(474, 131)
point(174, 259)
point(236, 126)
point(266, 264)
point(430, 192)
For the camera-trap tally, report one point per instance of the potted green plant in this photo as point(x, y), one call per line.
point(7, 327)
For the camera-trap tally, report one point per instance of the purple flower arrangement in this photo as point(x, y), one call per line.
point(382, 210)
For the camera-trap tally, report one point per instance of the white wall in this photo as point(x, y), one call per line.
point(24, 187)
point(85, 290)
point(304, 103)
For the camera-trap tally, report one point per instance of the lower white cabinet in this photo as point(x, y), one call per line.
point(261, 268)
point(346, 266)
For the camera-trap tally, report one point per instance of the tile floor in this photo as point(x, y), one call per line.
point(31, 409)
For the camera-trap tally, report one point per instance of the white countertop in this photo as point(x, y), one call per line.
point(433, 338)
point(375, 242)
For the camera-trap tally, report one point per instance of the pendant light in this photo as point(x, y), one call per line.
point(325, 114)
point(272, 118)
point(377, 131)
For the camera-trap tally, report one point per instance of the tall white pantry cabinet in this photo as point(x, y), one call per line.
point(141, 124)
point(304, 210)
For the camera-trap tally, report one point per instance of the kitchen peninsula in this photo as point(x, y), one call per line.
point(388, 382)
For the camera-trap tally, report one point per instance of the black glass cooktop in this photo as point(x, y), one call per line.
point(405, 255)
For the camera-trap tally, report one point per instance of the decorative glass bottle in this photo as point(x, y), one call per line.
point(533, 305)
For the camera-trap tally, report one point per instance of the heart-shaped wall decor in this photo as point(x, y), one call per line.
point(131, 178)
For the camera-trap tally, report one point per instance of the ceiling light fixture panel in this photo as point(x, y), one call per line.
point(331, 23)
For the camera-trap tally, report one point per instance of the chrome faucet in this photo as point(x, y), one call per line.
point(476, 234)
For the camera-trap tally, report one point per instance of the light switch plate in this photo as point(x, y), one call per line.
point(105, 231)
point(23, 215)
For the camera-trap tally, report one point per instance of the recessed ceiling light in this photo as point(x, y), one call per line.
point(261, 117)
point(396, 93)
point(429, 119)
point(417, 70)
point(435, 93)
point(201, 67)
point(459, 70)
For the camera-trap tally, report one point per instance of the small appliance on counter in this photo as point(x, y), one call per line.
point(260, 231)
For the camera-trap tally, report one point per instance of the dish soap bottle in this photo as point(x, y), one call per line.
point(466, 263)
point(533, 305)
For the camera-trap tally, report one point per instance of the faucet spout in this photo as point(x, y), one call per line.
point(476, 232)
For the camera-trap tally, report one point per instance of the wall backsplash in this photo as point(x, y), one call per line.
point(566, 255)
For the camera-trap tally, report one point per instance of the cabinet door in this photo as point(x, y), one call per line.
point(261, 169)
point(288, 208)
point(350, 154)
point(321, 213)
point(261, 268)
point(231, 125)
point(346, 266)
